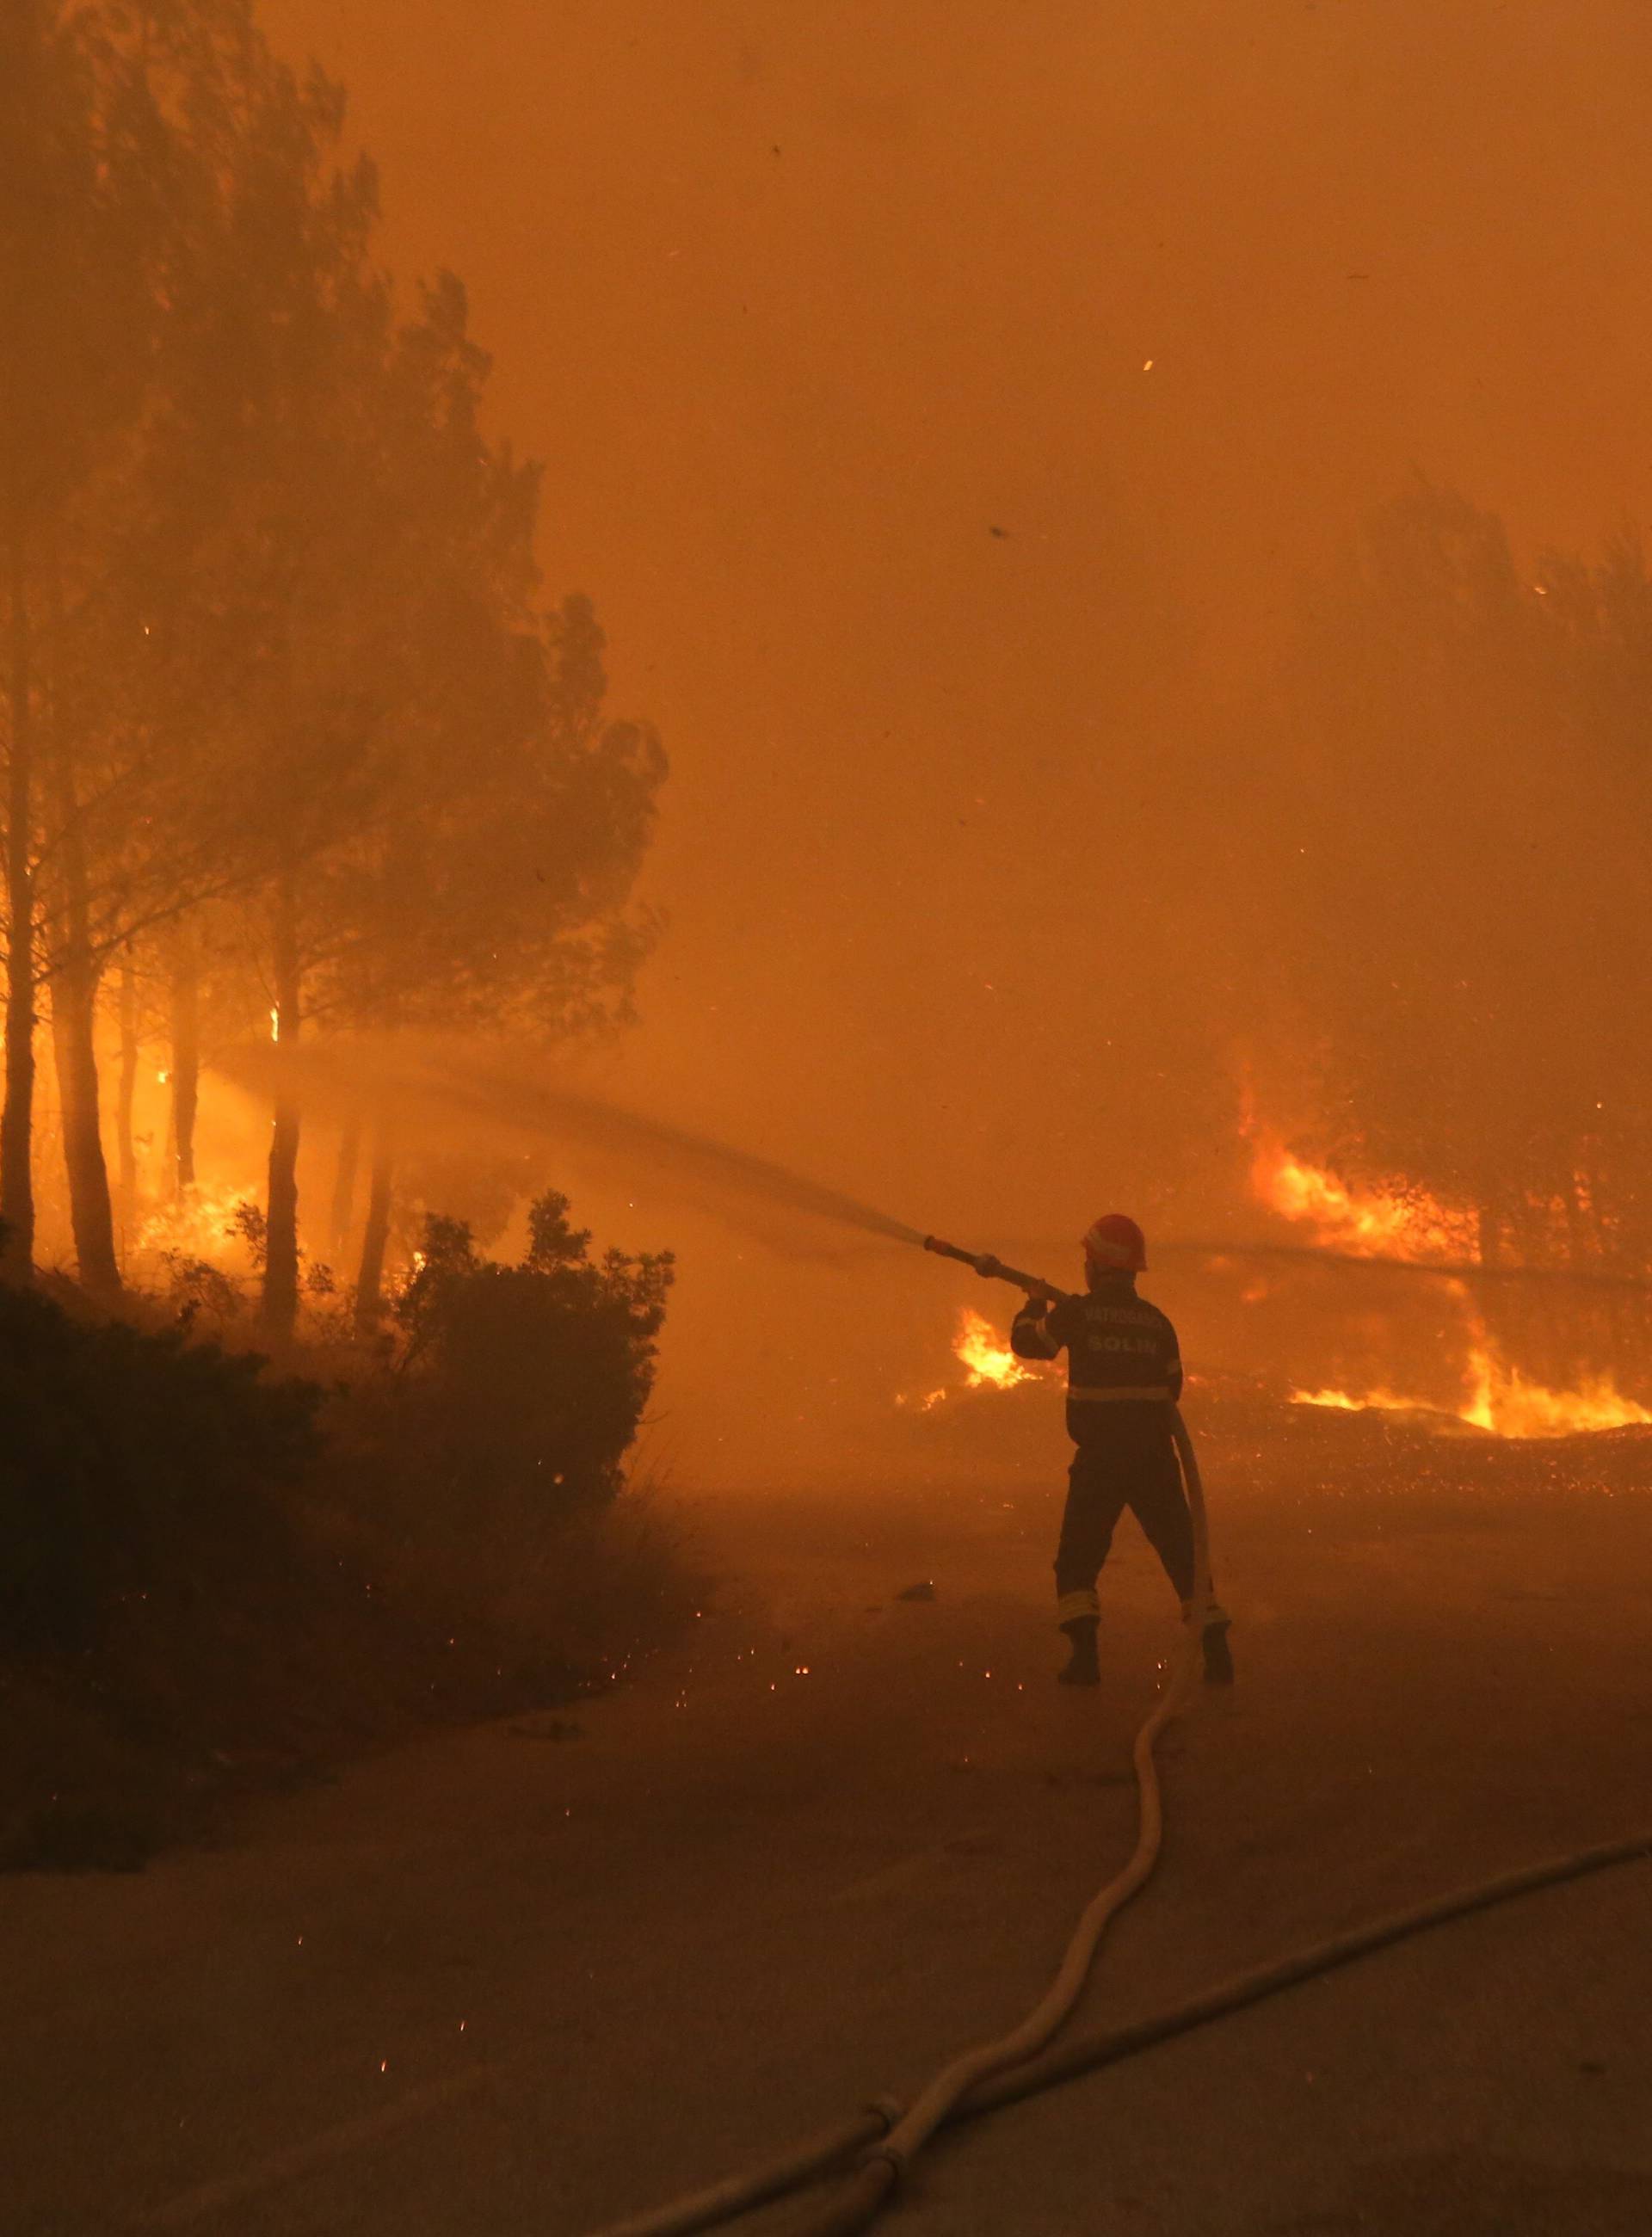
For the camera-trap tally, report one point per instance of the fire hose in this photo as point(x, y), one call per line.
point(900, 2135)
point(875, 2145)
point(830, 2151)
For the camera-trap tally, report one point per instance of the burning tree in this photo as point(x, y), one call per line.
point(125, 801)
point(83, 154)
point(1467, 782)
point(500, 890)
point(287, 729)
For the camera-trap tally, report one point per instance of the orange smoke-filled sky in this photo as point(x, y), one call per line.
point(801, 305)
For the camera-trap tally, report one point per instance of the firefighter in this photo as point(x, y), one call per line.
point(1124, 1375)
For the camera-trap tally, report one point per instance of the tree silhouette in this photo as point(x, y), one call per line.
point(288, 732)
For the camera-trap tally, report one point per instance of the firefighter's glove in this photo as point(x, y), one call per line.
point(987, 1266)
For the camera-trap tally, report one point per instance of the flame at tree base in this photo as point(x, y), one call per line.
point(1504, 1403)
point(1402, 1220)
point(1495, 1397)
point(1407, 1220)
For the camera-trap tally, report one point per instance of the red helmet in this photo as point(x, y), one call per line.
point(1116, 1245)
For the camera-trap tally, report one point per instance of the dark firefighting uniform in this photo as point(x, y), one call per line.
point(1124, 1374)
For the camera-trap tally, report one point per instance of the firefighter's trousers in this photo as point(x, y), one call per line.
point(1120, 1466)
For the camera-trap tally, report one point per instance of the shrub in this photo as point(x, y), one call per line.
point(131, 1463)
point(199, 1591)
point(528, 1380)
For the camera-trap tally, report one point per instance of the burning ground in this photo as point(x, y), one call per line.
point(1385, 1286)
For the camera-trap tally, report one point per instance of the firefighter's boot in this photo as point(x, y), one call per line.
point(1218, 1656)
point(1082, 1667)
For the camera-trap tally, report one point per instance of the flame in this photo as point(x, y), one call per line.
point(987, 1361)
point(986, 1355)
point(1402, 1219)
point(199, 1224)
point(1501, 1399)
point(1397, 1220)
point(1506, 1402)
point(1377, 1401)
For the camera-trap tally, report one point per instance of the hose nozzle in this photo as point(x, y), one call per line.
point(993, 1270)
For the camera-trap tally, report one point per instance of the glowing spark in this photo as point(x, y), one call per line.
point(274, 1023)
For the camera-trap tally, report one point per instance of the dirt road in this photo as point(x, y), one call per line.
point(520, 1979)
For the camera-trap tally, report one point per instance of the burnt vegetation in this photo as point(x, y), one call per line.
point(296, 746)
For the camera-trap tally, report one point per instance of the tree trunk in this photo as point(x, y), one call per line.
point(17, 1118)
point(74, 1010)
point(185, 1075)
point(344, 1183)
point(74, 1032)
point(125, 1097)
point(280, 1216)
point(369, 1289)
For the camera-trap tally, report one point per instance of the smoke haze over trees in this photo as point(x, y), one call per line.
point(1238, 753)
point(1464, 788)
point(982, 829)
point(294, 744)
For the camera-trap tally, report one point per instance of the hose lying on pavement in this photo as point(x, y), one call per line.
point(887, 2162)
point(891, 2138)
point(1003, 2072)
point(1084, 2054)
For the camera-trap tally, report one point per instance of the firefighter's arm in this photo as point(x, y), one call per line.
point(1031, 1336)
